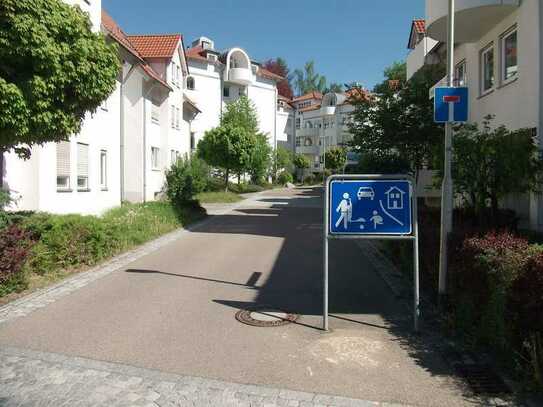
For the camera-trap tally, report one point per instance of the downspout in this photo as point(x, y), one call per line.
point(145, 142)
point(124, 79)
point(275, 131)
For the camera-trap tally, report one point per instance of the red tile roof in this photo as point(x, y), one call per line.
point(268, 74)
point(356, 94)
point(310, 108)
point(307, 96)
point(113, 29)
point(419, 26)
point(156, 46)
point(196, 53)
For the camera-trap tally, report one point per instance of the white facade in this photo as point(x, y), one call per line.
point(500, 60)
point(218, 78)
point(285, 131)
point(124, 148)
point(321, 124)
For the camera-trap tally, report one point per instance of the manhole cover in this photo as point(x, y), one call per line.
point(265, 317)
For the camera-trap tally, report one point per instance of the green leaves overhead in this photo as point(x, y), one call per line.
point(53, 70)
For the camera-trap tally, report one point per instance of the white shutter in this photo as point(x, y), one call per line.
point(63, 159)
point(82, 160)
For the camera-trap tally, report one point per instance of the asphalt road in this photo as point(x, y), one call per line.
point(174, 311)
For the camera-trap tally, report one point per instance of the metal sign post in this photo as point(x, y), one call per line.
point(371, 207)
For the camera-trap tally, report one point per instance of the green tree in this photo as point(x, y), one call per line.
point(334, 88)
point(307, 80)
point(186, 177)
point(282, 160)
point(489, 164)
point(335, 159)
point(53, 70)
point(260, 159)
point(302, 163)
point(227, 147)
point(241, 113)
point(398, 120)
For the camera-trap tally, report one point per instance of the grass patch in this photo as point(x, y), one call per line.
point(218, 197)
point(65, 244)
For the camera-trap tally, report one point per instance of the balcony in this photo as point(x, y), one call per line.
point(240, 76)
point(310, 150)
point(473, 17)
point(417, 57)
point(328, 110)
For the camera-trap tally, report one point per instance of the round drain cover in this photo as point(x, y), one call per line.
point(265, 317)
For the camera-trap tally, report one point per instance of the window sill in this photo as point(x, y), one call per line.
point(488, 92)
point(156, 169)
point(508, 82)
point(64, 191)
point(155, 122)
point(104, 189)
point(83, 190)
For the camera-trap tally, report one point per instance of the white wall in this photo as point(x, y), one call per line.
point(263, 94)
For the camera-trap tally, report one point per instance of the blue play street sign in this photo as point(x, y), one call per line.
point(451, 105)
point(370, 207)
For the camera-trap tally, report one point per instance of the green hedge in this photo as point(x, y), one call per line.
point(67, 242)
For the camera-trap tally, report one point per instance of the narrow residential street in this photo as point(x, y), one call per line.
point(162, 331)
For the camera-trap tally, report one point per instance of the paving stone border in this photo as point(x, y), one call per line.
point(31, 378)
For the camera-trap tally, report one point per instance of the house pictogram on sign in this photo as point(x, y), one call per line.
point(395, 198)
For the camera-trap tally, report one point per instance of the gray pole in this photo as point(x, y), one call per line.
point(416, 287)
point(325, 259)
point(447, 187)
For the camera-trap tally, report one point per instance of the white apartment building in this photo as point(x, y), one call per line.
point(218, 77)
point(498, 56)
point(321, 124)
point(285, 129)
point(124, 147)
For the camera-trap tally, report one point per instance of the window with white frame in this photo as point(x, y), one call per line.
point(82, 167)
point(172, 117)
point(509, 55)
point(178, 74)
point(103, 169)
point(226, 92)
point(487, 69)
point(298, 122)
point(173, 156)
point(177, 117)
point(460, 74)
point(63, 165)
point(192, 141)
point(298, 141)
point(154, 157)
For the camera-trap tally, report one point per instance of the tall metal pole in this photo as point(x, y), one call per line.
point(447, 187)
point(325, 258)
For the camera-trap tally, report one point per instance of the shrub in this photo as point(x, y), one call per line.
point(186, 178)
point(69, 241)
point(15, 246)
point(284, 178)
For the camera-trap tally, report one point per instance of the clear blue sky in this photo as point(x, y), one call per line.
point(350, 40)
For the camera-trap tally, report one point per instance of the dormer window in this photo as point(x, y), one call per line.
point(206, 45)
point(212, 57)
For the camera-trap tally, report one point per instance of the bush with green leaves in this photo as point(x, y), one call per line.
point(284, 178)
point(186, 178)
point(336, 158)
point(302, 163)
point(491, 163)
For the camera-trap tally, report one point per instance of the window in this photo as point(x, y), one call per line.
point(155, 112)
point(82, 167)
point(212, 57)
point(190, 83)
point(241, 92)
point(154, 157)
point(226, 92)
point(460, 74)
point(192, 141)
point(298, 122)
point(298, 141)
point(63, 165)
point(206, 45)
point(173, 156)
point(509, 55)
point(172, 117)
point(487, 69)
point(103, 169)
point(308, 142)
point(104, 106)
point(178, 75)
point(177, 116)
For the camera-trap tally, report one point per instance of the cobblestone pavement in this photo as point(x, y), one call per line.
point(29, 378)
